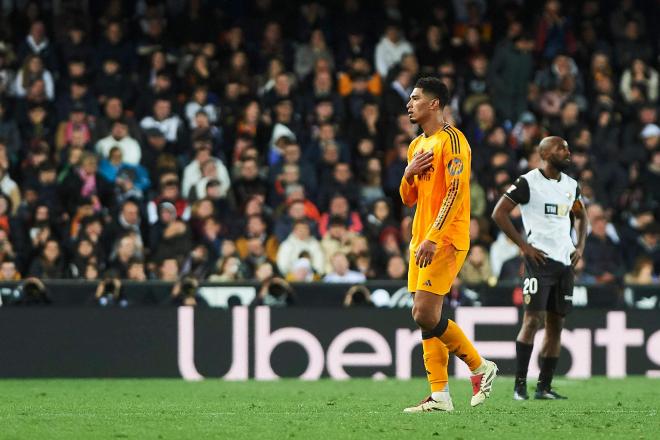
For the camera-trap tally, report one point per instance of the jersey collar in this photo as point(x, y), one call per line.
point(549, 178)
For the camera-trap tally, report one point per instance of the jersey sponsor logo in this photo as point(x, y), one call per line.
point(427, 283)
point(427, 174)
point(455, 166)
point(555, 209)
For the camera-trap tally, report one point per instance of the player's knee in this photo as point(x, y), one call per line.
point(532, 322)
point(424, 318)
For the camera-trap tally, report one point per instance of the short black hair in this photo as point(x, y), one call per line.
point(433, 86)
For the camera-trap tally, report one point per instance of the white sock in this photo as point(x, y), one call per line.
point(441, 396)
point(481, 368)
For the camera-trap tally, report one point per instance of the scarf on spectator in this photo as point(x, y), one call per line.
point(89, 188)
point(88, 183)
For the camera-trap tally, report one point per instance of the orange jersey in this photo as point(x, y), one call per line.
point(442, 193)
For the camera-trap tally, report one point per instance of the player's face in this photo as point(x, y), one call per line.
point(561, 156)
point(419, 106)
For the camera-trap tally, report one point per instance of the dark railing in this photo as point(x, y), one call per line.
point(389, 294)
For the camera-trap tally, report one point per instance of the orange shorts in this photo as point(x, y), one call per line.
point(438, 276)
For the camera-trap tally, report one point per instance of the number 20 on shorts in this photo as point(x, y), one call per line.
point(530, 286)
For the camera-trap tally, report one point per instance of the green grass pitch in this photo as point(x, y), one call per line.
point(292, 409)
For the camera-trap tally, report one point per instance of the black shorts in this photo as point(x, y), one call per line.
point(548, 287)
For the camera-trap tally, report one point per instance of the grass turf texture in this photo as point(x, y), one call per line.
point(288, 409)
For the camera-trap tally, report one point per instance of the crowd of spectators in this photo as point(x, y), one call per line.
point(227, 141)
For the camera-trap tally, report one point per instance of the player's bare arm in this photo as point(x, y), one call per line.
point(501, 216)
point(581, 226)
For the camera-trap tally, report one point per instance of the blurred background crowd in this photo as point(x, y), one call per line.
point(228, 141)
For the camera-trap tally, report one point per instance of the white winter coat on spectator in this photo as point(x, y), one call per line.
point(49, 85)
point(502, 250)
point(130, 148)
point(169, 127)
point(389, 53)
point(290, 250)
point(192, 174)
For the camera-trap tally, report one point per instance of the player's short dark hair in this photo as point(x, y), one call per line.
point(433, 86)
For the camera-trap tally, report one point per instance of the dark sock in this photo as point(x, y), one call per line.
point(523, 353)
point(548, 365)
point(438, 331)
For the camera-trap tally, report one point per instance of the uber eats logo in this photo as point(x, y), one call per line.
point(555, 209)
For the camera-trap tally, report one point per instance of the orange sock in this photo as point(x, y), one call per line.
point(460, 345)
point(436, 359)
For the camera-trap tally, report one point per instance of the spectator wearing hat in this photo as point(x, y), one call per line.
point(193, 173)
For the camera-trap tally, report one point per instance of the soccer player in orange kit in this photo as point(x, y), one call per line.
point(437, 179)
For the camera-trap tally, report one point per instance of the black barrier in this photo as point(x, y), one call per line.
point(265, 343)
point(388, 294)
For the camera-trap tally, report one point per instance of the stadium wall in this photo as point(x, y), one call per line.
point(310, 343)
